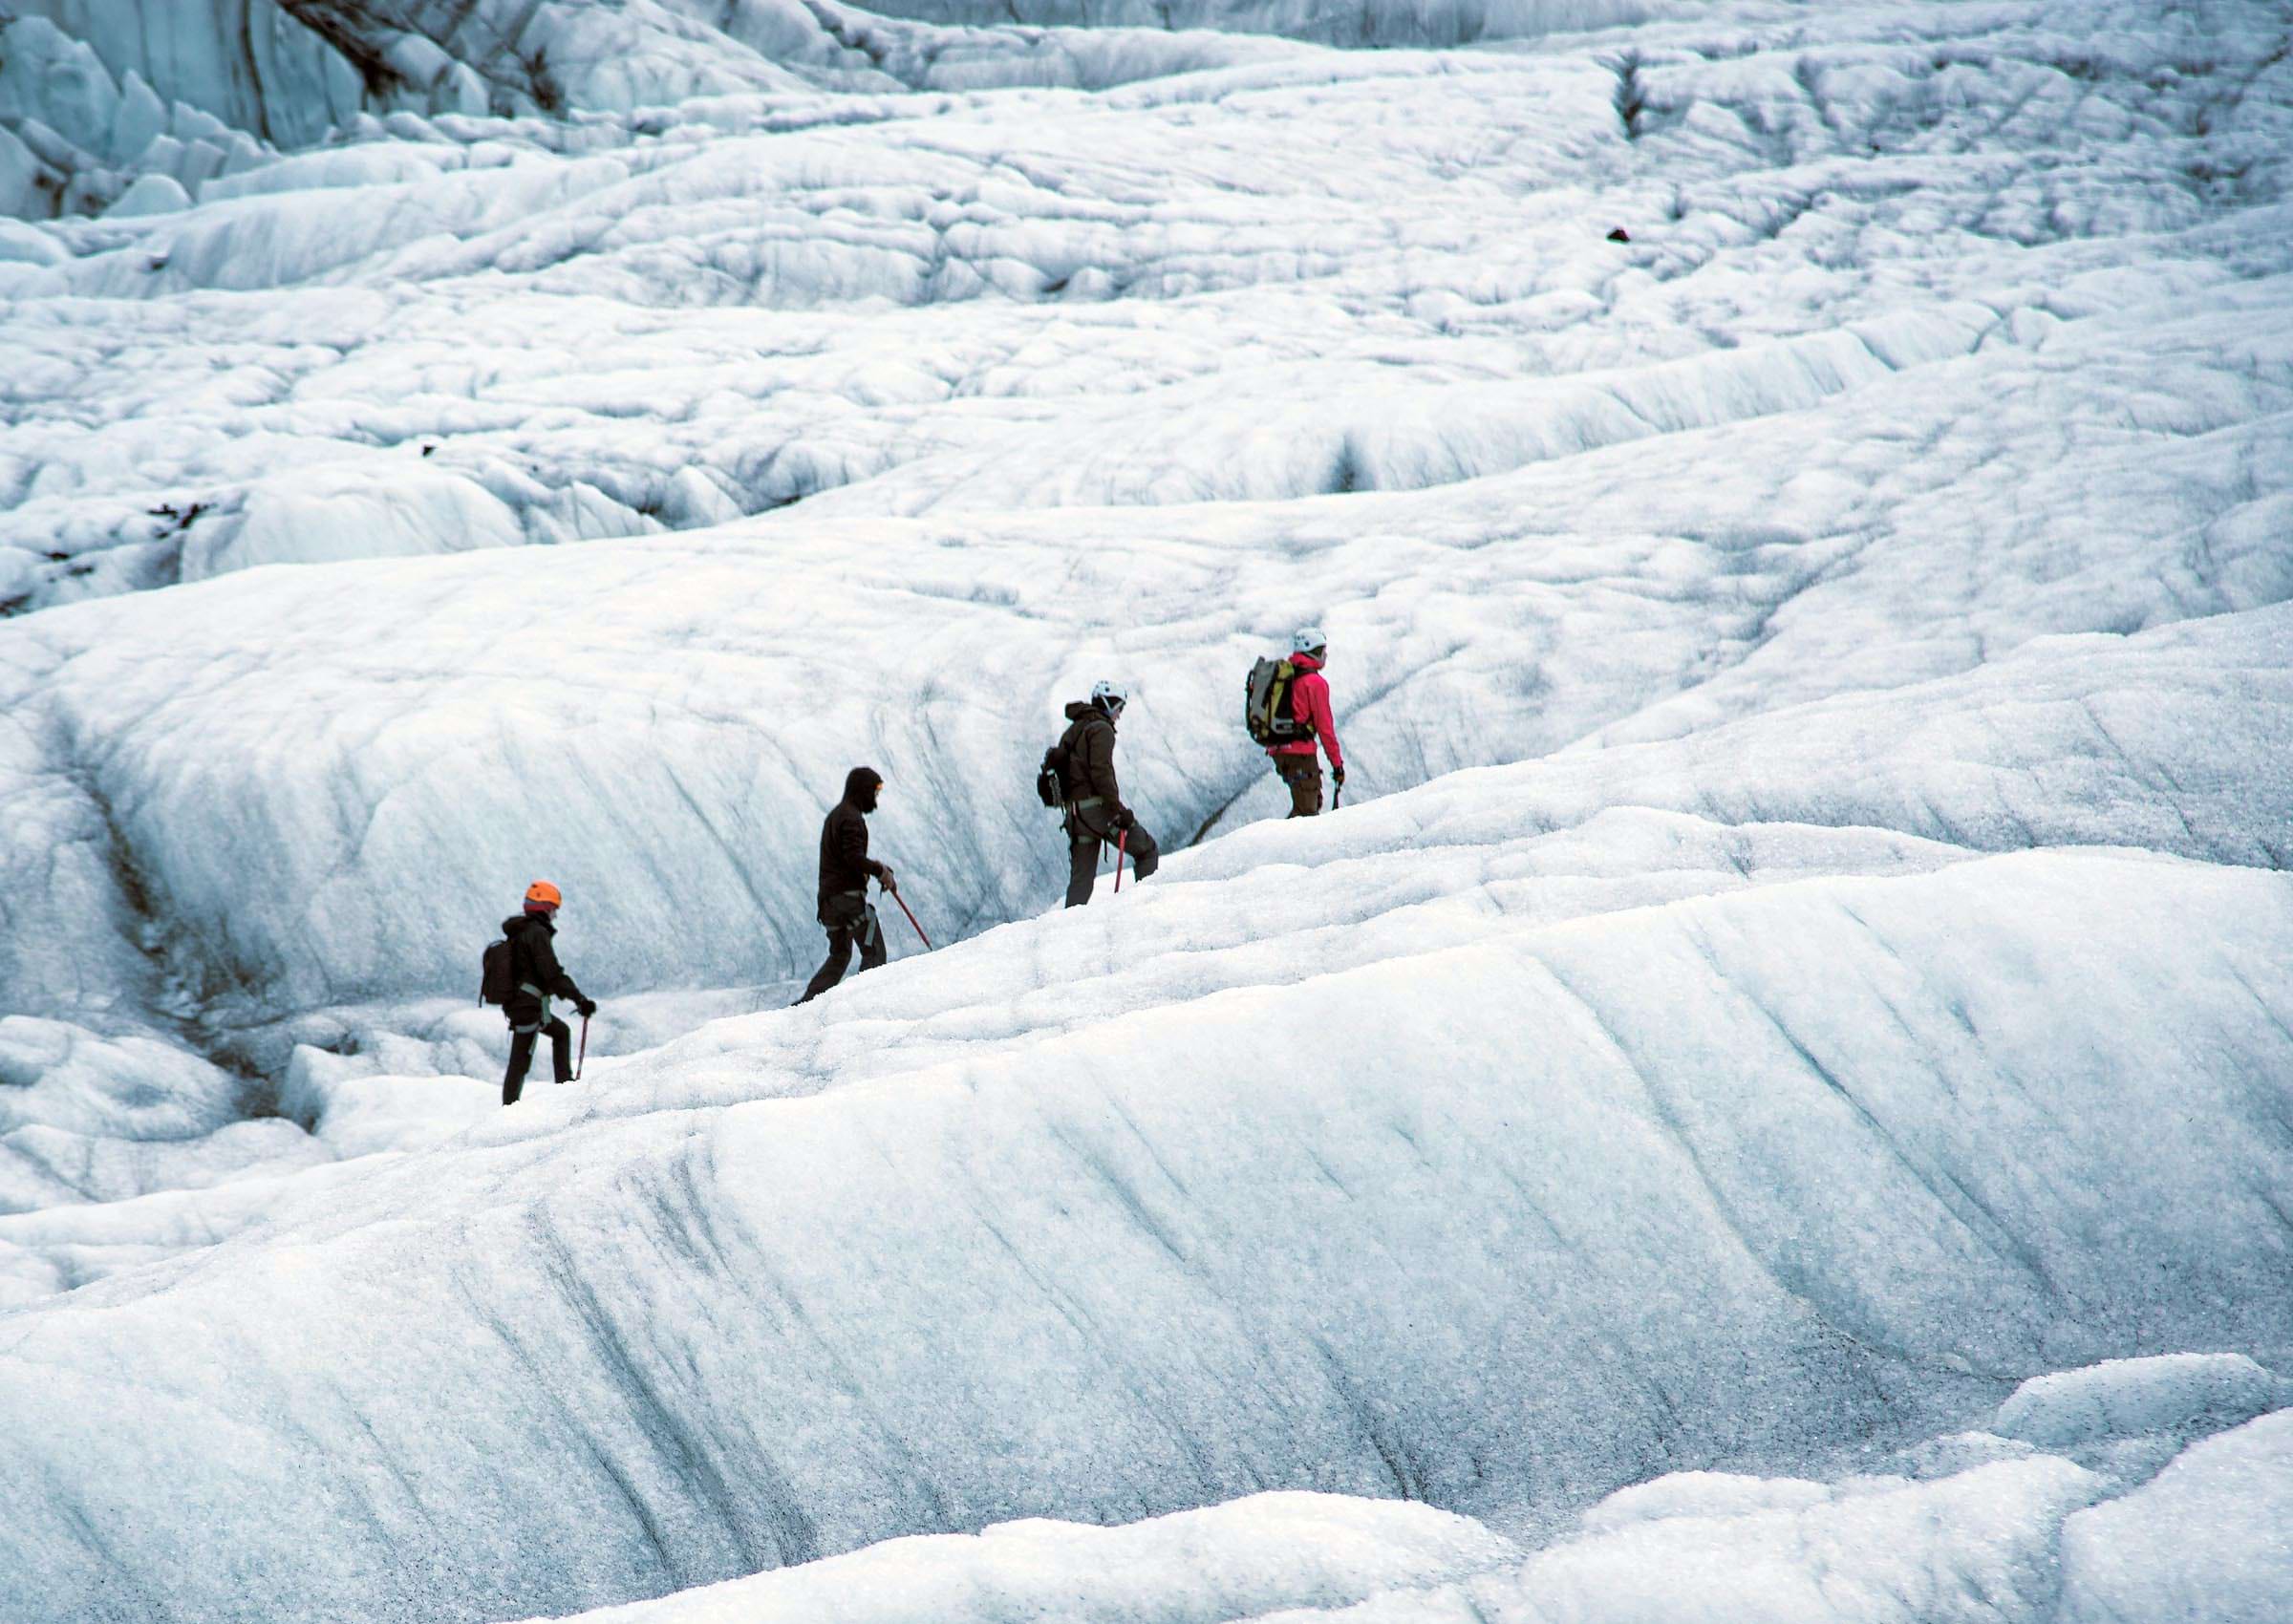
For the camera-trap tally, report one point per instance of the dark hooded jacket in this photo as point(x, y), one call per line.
point(1090, 743)
point(533, 959)
point(844, 860)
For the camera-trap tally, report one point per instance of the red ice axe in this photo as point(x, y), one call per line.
point(1122, 841)
point(904, 909)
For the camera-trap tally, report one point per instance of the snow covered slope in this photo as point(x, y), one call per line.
point(1801, 499)
point(135, 107)
point(502, 331)
point(1423, 1152)
point(1977, 1526)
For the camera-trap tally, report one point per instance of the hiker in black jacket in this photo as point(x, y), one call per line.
point(538, 978)
point(845, 871)
point(1096, 815)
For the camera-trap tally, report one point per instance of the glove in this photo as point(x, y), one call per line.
point(883, 877)
point(1125, 823)
point(1339, 774)
point(587, 1006)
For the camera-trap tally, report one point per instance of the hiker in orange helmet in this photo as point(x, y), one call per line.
point(535, 977)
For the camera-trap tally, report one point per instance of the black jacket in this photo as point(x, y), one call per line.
point(533, 959)
point(844, 860)
point(1090, 743)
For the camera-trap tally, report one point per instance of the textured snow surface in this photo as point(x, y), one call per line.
point(1451, 1261)
point(490, 330)
point(1770, 1101)
point(1235, 1561)
point(2034, 1537)
point(2206, 1539)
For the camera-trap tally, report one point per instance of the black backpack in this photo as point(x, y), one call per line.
point(497, 973)
point(1266, 710)
point(1051, 778)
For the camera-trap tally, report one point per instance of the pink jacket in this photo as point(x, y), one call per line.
point(1310, 702)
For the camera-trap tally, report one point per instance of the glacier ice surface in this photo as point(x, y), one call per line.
point(1771, 1095)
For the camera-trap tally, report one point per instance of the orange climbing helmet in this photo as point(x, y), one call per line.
point(542, 895)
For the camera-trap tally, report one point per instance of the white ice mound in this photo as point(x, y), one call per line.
point(1207, 1567)
point(1702, 1494)
point(54, 1074)
point(349, 510)
point(2027, 1540)
point(2128, 1398)
point(2210, 1538)
point(1978, 1546)
point(1726, 1180)
point(150, 194)
point(98, 1207)
point(365, 1115)
point(92, 1123)
point(2038, 1538)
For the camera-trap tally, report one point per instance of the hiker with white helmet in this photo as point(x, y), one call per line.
point(1082, 762)
point(1286, 707)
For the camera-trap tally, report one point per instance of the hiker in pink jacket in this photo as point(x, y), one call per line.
point(1298, 762)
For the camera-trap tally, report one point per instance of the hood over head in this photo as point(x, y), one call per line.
point(860, 787)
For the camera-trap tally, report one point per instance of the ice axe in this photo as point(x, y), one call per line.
point(904, 909)
point(583, 1059)
point(1121, 843)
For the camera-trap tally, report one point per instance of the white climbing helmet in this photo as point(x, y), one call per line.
point(1308, 639)
point(1109, 695)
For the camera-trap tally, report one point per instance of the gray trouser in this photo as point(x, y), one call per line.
point(848, 920)
point(1087, 832)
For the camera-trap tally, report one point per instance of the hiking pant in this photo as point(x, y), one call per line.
point(521, 1053)
point(1086, 833)
point(847, 919)
point(1303, 774)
